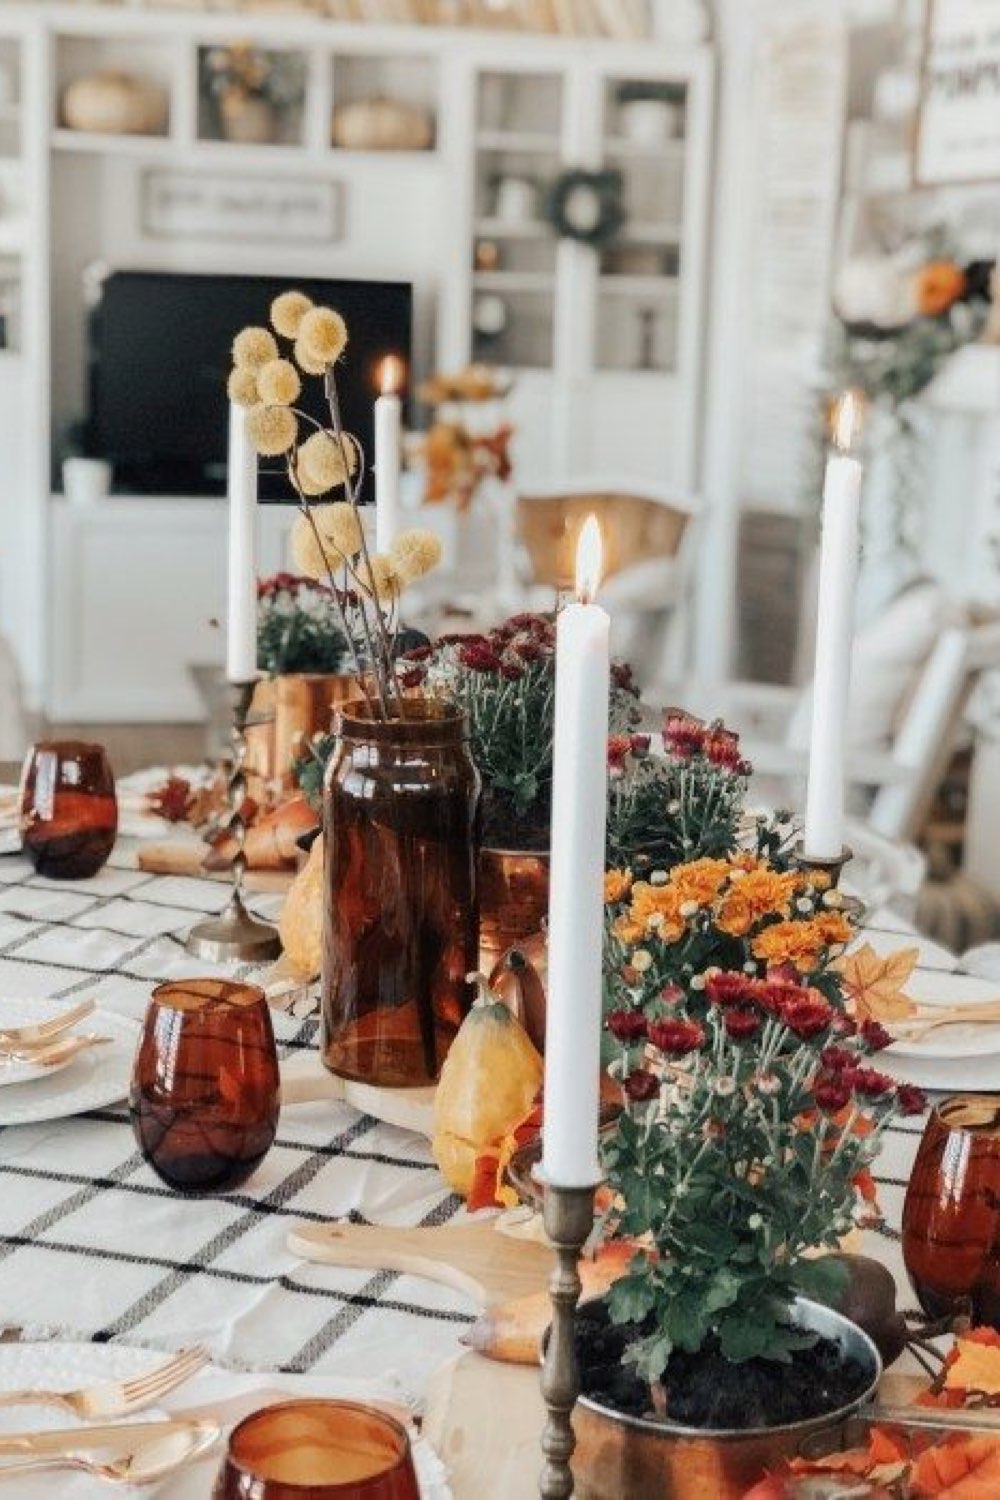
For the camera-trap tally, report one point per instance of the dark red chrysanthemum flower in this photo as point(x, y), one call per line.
point(676, 1038)
point(875, 1036)
point(732, 989)
point(807, 1016)
point(412, 679)
point(871, 1084)
point(419, 653)
point(683, 736)
point(911, 1100)
point(837, 1059)
point(510, 672)
point(642, 1086)
point(672, 994)
point(626, 1025)
point(479, 658)
point(832, 1093)
point(741, 1024)
point(640, 744)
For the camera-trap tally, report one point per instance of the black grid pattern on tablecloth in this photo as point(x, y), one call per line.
point(93, 1244)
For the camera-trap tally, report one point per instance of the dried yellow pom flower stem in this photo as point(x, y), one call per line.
point(386, 638)
point(306, 510)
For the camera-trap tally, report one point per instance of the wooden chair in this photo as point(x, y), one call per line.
point(648, 534)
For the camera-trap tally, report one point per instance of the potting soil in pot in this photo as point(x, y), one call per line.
point(705, 1390)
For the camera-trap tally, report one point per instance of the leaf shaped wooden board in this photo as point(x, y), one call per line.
point(472, 1258)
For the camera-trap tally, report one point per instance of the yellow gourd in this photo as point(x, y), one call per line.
point(488, 1084)
point(301, 921)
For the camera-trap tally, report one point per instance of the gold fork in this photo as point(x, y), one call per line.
point(39, 1032)
point(116, 1398)
point(54, 1054)
point(915, 1028)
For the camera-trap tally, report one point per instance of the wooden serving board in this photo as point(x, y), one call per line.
point(304, 1080)
point(472, 1258)
point(186, 857)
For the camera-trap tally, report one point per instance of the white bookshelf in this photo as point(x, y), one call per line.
point(500, 103)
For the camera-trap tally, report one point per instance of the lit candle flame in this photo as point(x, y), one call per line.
point(589, 560)
point(391, 375)
point(848, 420)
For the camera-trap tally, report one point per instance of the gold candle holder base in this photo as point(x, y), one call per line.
point(235, 936)
point(834, 867)
point(568, 1215)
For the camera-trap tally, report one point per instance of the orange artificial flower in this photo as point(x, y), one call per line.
point(700, 880)
point(795, 943)
point(834, 928)
point(658, 908)
point(628, 931)
point(735, 915)
point(759, 893)
point(617, 884)
point(937, 287)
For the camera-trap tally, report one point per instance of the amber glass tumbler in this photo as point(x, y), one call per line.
point(205, 1089)
point(317, 1450)
point(400, 909)
point(68, 809)
point(951, 1216)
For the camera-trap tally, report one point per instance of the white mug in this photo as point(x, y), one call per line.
point(86, 480)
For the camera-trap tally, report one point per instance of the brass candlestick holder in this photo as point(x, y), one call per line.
point(569, 1219)
point(234, 935)
point(832, 865)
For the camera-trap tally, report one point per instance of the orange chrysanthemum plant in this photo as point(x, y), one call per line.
point(323, 462)
point(752, 1109)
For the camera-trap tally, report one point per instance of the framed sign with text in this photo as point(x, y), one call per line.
point(958, 135)
point(182, 205)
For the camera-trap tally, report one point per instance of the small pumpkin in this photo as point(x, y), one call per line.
point(301, 921)
point(488, 1083)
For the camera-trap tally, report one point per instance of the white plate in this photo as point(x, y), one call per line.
point(65, 1367)
point(954, 1057)
point(93, 1080)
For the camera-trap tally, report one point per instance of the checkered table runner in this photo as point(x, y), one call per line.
point(94, 1246)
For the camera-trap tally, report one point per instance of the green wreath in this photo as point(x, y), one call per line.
point(586, 206)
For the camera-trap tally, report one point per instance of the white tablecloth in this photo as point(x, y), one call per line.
point(94, 1246)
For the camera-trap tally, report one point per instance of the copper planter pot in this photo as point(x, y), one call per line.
point(618, 1455)
point(513, 900)
point(294, 708)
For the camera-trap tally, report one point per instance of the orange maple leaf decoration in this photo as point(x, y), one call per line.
point(874, 985)
point(960, 1468)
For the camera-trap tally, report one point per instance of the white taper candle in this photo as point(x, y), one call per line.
point(388, 454)
point(241, 615)
point(823, 836)
point(576, 899)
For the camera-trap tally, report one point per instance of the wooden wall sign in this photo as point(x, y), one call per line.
point(958, 137)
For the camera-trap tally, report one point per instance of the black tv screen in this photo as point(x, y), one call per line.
point(159, 355)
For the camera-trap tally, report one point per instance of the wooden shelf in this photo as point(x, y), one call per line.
point(518, 140)
point(97, 143)
point(637, 231)
point(514, 281)
point(621, 145)
point(510, 229)
point(639, 286)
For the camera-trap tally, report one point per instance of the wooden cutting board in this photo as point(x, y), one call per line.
point(304, 1080)
point(472, 1258)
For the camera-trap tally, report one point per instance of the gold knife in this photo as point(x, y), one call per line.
point(83, 1439)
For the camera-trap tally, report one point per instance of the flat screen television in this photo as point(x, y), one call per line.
point(158, 358)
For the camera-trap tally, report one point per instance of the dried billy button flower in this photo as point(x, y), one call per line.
point(308, 362)
point(241, 387)
point(287, 312)
point(322, 335)
point(253, 347)
point(271, 429)
point(339, 537)
point(279, 382)
point(384, 582)
point(321, 464)
point(415, 553)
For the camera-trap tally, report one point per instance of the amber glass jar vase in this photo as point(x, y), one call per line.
point(400, 920)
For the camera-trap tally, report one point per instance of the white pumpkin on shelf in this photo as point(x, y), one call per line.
point(380, 124)
point(115, 103)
